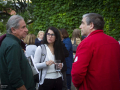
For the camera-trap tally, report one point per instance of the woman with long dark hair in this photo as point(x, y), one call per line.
point(50, 78)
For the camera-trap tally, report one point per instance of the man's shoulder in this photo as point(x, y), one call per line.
point(10, 42)
point(99, 38)
point(10, 39)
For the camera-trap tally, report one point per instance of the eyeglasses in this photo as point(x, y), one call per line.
point(52, 35)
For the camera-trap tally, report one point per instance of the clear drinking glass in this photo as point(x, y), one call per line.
point(57, 62)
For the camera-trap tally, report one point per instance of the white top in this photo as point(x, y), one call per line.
point(30, 50)
point(51, 73)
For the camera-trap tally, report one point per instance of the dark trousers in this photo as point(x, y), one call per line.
point(52, 84)
point(68, 81)
point(64, 87)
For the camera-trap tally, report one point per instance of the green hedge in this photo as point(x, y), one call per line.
point(2, 28)
point(68, 14)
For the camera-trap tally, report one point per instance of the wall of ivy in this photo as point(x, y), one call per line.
point(68, 14)
point(2, 28)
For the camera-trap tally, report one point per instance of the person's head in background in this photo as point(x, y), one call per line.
point(52, 38)
point(40, 35)
point(75, 34)
point(64, 33)
point(30, 39)
point(90, 23)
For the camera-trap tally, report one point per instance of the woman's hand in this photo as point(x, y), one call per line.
point(50, 62)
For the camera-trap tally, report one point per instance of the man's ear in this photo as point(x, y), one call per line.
point(13, 30)
point(91, 26)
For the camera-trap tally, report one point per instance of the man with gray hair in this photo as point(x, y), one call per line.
point(15, 71)
point(97, 60)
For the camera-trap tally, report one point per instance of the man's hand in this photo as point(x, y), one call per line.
point(22, 88)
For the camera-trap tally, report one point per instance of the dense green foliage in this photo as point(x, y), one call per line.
point(21, 7)
point(2, 27)
point(68, 14)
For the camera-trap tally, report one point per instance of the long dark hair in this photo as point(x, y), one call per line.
point(58, 49)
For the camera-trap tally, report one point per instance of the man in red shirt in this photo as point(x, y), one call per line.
point(97, 60)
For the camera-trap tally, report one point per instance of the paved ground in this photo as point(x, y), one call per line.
point(72, 86)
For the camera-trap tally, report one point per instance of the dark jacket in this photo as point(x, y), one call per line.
point(37, 42)
point(69, 59)
point(66, 54)
point(15, 70)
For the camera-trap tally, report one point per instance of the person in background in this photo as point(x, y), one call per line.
point(30, 45)
point(15, 71)
point(75, 36)
point(83, 37)
point(39, 38)
point(97, 60)
point(69, 59)
point(64, 69)
point(50, 79)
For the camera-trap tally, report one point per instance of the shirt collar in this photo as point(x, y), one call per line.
point(39, 39)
